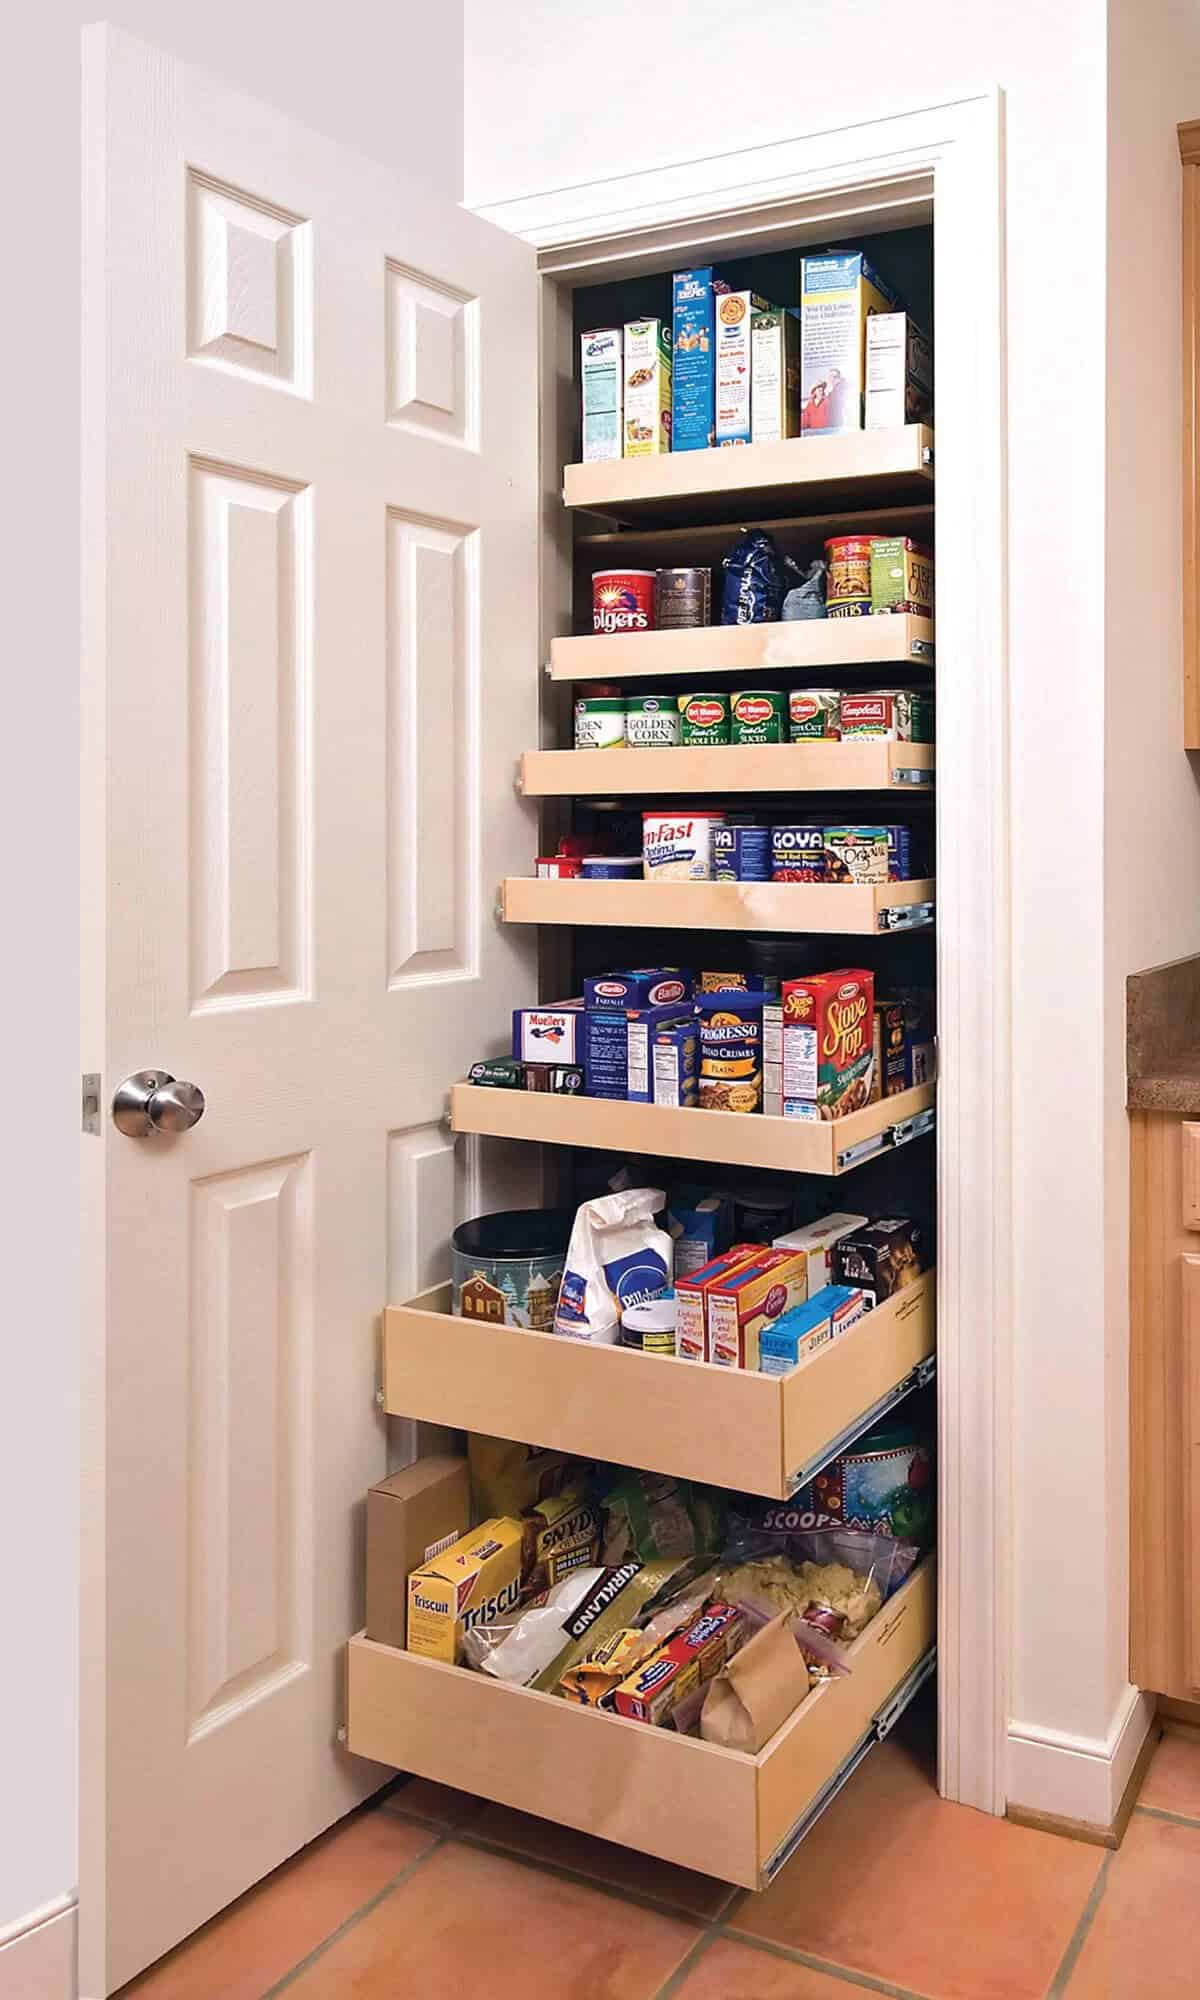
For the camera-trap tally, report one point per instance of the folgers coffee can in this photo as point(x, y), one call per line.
point(683, 598)
point(652, 721)
point(798, 854)
point(814, 713)
point(703, 719)
point(623, 600)
point(848, 589)
point(741, 854)
point(758, 716)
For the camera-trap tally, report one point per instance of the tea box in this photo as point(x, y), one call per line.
point(882, 1259)
point(647, 388)
point(602, 375)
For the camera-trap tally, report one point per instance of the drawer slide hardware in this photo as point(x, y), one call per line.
point(882, 1724)
point(905, 774)
point(908, 918)
point(899, 1134)
point(917, 1378)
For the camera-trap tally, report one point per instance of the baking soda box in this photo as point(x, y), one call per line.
point(734, 319)
point(647, 388)
point(839, 293)
point(694, 297)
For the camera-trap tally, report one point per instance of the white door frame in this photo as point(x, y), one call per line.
point(833, 184)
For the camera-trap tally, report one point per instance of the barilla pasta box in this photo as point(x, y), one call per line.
point(654, 1690)
point(617, 1059)
point(815, 1241)
point(734, 318)
point(741, 1307)
point(603, 379)
point(774, 375)
point(645, 986)
point(899, 378)
point(694, 296)
point(473, 1582)
point(647, 388)
point(811, 1326)
point(691, 1318)
point(839, 292)
point(555, 1034)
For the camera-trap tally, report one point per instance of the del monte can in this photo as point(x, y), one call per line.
point(758, 716)
point(703, 719)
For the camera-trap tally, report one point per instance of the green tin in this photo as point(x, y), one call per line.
point(759, 715)
point(703, 720)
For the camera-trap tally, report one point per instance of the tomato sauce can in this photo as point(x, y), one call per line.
point(623, 600)
point(848, 590)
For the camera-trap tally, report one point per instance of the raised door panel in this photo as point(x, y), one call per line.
point(1189, 1142)
point(1190, 1418)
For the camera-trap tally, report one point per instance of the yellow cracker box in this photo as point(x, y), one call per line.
point(472, 1582)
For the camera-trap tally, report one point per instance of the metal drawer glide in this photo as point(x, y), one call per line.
point(908, 918)
point(882, 1723)
point(917, 1378)
point(907, 774)
point(899, 1134)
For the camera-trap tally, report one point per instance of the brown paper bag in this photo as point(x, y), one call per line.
point(756, 1692)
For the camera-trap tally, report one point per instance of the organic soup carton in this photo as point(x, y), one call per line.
point(839, 292)
point(647, 388)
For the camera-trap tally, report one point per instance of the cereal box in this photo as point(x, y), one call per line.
point(901, 575)
point(691, 1321)
point(473, 1582)
point(774, 376)
point(899, 383)
point(839, 292)
point(603, 376)
point(693, 358)
point(734, 316)
point(740, 1307)
point(828, 1040)
point(816, 1241)
point(654, 1690)
point(647, 388)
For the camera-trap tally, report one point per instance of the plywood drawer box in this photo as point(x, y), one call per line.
point(727, 1427)
point(719, 1811)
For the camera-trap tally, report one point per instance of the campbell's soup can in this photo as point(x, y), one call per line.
point(848, 589)
point(703, 719)
point(623, 600)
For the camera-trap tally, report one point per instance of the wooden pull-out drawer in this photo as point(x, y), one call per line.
point(722, 1812)
point(1189, 1178)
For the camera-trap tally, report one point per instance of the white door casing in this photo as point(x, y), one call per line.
point(309, 526)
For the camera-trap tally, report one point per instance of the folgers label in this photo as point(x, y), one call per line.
point(758, 717)
point(623, 600)
point(703, 719)
point(798, 854)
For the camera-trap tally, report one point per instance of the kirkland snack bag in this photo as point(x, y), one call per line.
point(617, 1257)
point(754, 579)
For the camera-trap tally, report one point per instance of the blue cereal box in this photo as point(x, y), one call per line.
point(741, 853)
point(839, 292)
point(808, 1327)
point(617, 1056)
point(674, 1064)
point(693, 365)
point(555, 1034)
point(645, 986)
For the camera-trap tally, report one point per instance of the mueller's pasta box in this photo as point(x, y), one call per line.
point(471, 1583)
point(839, 292)
point(602, 378)
point(741, 1307)
point(691, 1319)
point(774, 375)
point(550, 1034)
point(899, 384)
point(647, 388)
point(693, 359)
point(734, 317)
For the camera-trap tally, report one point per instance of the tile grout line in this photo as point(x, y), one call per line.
point(1173, 1818)
point(659, 1906)
point(356, 1916)
point(865, 1982)
point(1078, 1938)
point(687, 1964)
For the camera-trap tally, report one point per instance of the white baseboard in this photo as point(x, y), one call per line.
point(1078, 1777)
point(37, 1954)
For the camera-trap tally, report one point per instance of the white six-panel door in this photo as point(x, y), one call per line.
point(310, 665)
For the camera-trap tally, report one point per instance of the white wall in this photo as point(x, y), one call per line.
point(387, 80)
point(709, 80)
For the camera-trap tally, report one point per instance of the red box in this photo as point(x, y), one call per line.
point(829, 1040)
point(691, 1320)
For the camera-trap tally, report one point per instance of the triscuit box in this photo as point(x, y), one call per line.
point(742, 1306)
point(410, 1517)
point(647, 388)
point(734, 317)
point(839, 292)
point(899, 384)
point(603, 378)
point(471, 1583)
point(774, 376)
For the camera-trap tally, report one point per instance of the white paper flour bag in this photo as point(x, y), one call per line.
point(616, 1258)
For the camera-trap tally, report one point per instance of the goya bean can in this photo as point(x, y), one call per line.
point(814, 713)
point(623, 600)
point(683, 598)
point(742, 853)
point(758, 715)
point(848, 589)
point(652, 721)
point(703, 719)
point(798, 854)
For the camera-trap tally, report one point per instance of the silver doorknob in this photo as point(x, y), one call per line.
point(151, 1100)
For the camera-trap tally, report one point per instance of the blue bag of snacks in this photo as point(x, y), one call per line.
point(754, 579)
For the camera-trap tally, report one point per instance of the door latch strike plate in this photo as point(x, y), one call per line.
point(90, 1103)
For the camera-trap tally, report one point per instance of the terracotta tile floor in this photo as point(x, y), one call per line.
point(432, 1895)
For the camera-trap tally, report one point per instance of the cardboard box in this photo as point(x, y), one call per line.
point(410, 1517)
point(899, 377)
point(618, 1048)
point(471, 1583)
point(734, 317)
point(653, 1691)
point(809, 1327)
point(693, 343)
point(739, 1308)
point(603, 377)
point(555, 1034)
point(774, 376)
point(816, 1241)
point(839, 293)
point(901, 575)
point(881, 1259)
point(647, 388)
point(691, 1322)
point(828, 1036)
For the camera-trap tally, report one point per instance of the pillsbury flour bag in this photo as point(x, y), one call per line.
point(617, 1258)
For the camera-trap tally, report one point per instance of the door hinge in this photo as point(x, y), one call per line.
point(90, 1103)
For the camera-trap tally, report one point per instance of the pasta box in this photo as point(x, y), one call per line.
point(550, 1034)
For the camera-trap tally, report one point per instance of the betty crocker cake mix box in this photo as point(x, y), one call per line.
point(741, 1307)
